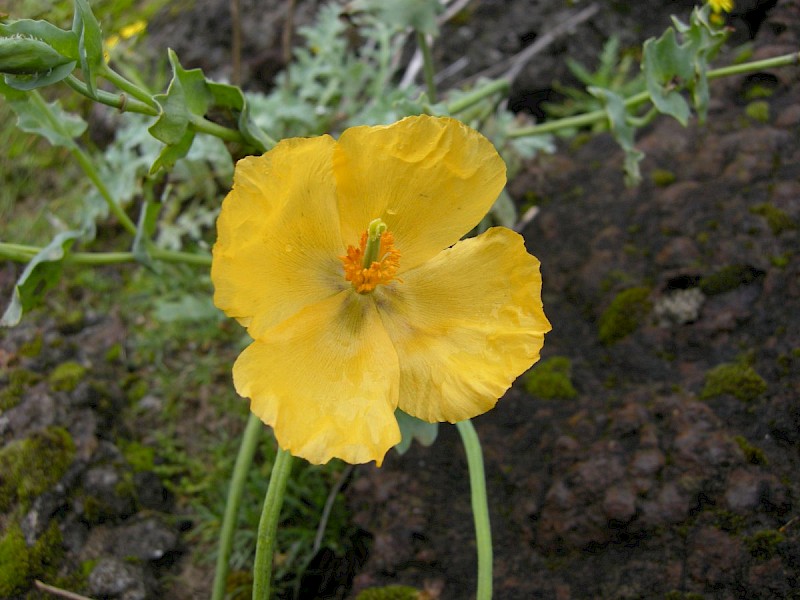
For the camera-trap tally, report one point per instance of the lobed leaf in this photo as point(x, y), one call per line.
point(48, 120)
point(419, 15)
point(622, 131)
point(90, 43)
point(232, 98)
point(21, 55)
point(667, 67)
point(33, 81)
point(62, 41)
point(40, 274)
point(412, 428)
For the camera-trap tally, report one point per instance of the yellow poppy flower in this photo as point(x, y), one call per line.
point(343, 261)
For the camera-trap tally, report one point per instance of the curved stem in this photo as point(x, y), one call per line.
point(427, 65)
point(118, 101)
point(465, 102)
point(128, 87)
point(240, 471)
point(268, 526)
point(224, 133)
point(24, 253)
point(642, 97)
point(86, 164)
point(480, 507)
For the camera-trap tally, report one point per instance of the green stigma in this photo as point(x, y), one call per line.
point(374, 232)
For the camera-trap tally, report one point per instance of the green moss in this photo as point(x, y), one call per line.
point(135, 388)
point(71, 321)
point(31, 466)
point(753, 454)
point(726, 279)
point(66, 376)
point(662, 177)
point(763, 544)
point(781, 261)
point(778, 220)
point(19, 380)
point(390, 592)
point(20, 563)
point(32, 348)
point(758, 110)
point(756, 91)
point(625, 314)
point(551, 379)
point(114, 353)
point(728, 521)
point(139, 456)
point(735, 379)
point(678, 595)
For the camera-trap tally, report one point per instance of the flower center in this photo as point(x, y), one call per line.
point(375, 261)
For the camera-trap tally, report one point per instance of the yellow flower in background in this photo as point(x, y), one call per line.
point(125, 33)
point(719, 6)
point(343, 261)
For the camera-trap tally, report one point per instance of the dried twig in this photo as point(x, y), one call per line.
point(288, 32)
point(326, 511)
point(415, 64)
point(511, 67)
point(236, 43)
point(58, 592)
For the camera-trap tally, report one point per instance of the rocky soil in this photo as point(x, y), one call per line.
point(654, 451)
point(669, 471)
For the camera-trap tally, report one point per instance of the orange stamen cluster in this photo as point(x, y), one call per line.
point(366, 278)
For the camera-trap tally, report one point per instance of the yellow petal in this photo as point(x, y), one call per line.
point(326, 380)
point(278, 235)
point(465, 325)
point(431, 180)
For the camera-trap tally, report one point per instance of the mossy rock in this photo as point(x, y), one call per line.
point(138, 456)
point(66, 376)
point(763, 545)
point(390, 592)
point(728, 278)
point(33, 348)
point(19, 380)
point(753, 454)
point(778, 220)
point(20, 564)
point(662, 177)
point(31, 466)
point(738, 380)
point(551, 379)
point(758, 110)
point(625, 314)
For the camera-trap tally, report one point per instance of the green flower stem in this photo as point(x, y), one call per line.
point(150, 107)
point(465, 102)
point(240, 470)
point(224, 133)
point(427, 65)
point(757, 65)
point(24, 253)
point(118, 101)
point(480, 507)
point(86, 164)
point(268, 526)
point(128, 87)
point(600, 115)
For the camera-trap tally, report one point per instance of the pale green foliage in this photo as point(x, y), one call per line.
point(613, 73)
